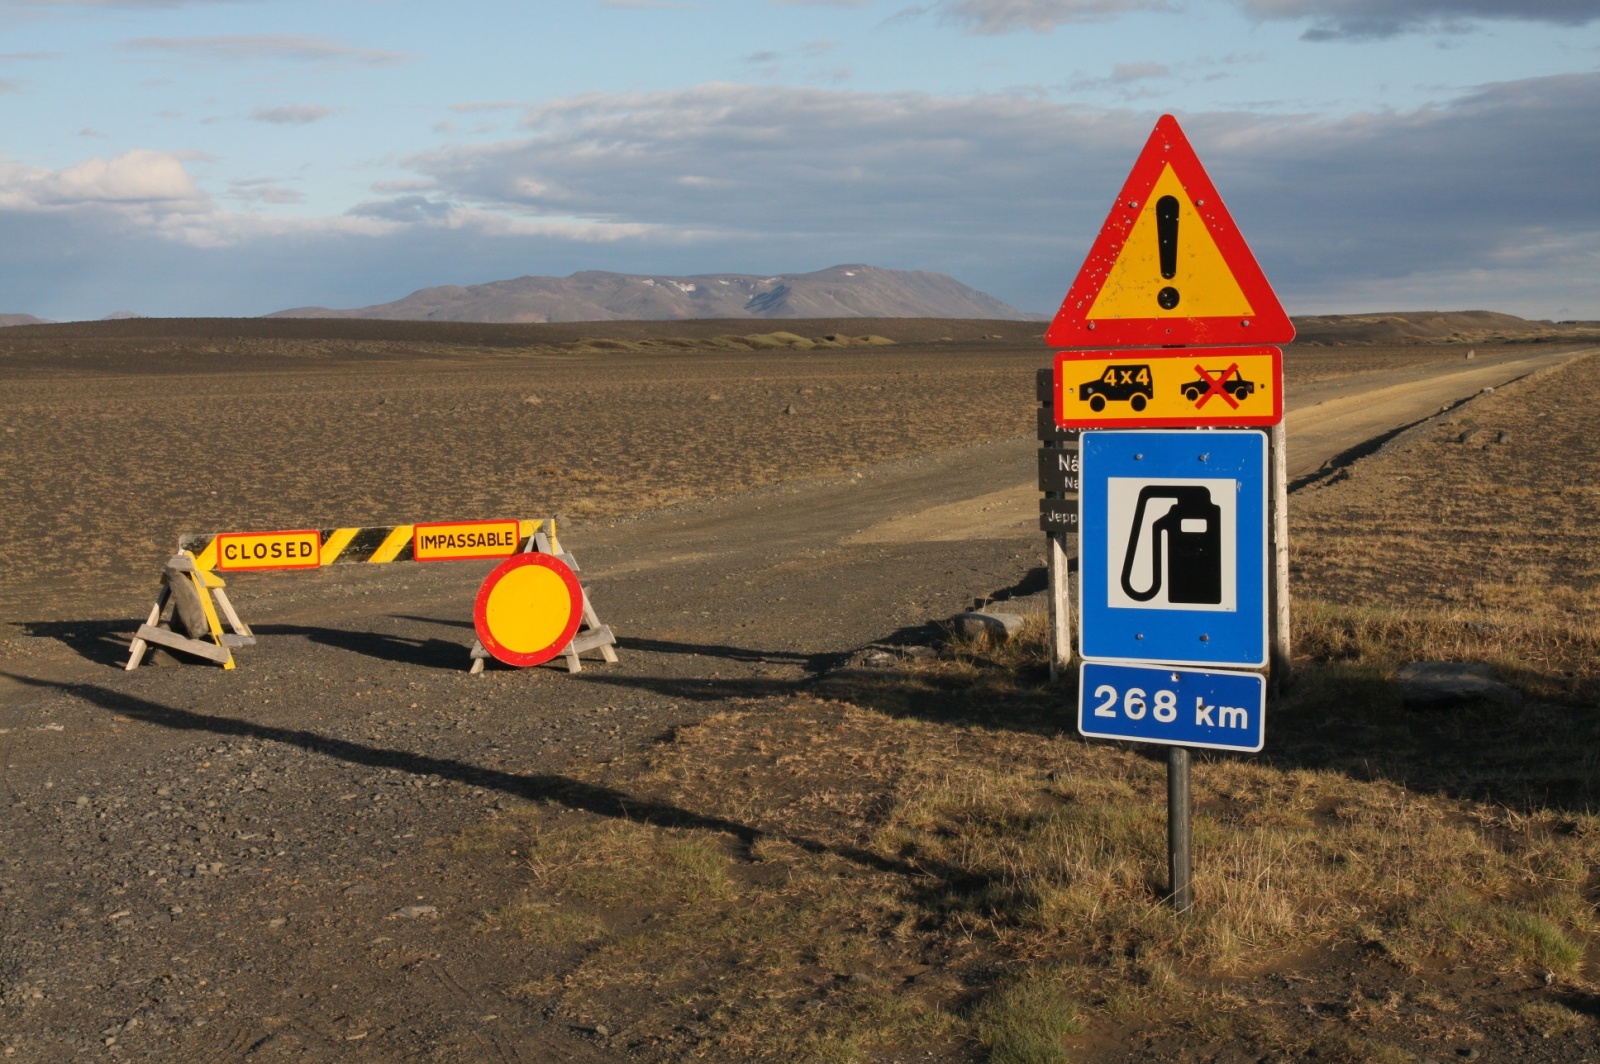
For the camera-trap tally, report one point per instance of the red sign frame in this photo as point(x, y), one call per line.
point(1268, 324)
point(539, 655)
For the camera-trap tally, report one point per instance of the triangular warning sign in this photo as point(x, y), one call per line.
point(1169, 266)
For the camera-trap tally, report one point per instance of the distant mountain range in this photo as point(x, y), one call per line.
point(593, 295)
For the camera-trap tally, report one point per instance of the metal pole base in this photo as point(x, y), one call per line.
point(1178, 829)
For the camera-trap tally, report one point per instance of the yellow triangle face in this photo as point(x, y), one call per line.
point(1169, 267)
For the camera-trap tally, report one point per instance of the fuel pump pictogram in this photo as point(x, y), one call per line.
point(1185, 546)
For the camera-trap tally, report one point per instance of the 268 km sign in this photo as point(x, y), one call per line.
point(1175, 707)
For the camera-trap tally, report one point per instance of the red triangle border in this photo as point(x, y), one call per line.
point(1071, 327)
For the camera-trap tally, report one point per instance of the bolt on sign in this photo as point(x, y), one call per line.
point(1169, 387)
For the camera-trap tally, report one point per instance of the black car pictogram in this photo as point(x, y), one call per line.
point(1118, 384)
point(1235, 386)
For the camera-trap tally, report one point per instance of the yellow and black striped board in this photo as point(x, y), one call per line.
point(311, 548)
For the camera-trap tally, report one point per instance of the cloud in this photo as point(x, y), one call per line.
point(476, 106)
point(990, 17)
point(148, 180)
point(1122, 73)
point(293, 114)
point(404, 209)
point(113, 4)
point(265, 191)
point(1484, 200)
point(1368, 19)
point(296, 48)
point(149, 194)
point(652, 5)
point(923, 179)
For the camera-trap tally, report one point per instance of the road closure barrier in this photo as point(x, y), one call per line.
point(522, 617)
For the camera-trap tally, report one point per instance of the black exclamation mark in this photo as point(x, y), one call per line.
point(1167, 244)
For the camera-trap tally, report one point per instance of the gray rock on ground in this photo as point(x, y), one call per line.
point(1431, 684)
point(983, 624)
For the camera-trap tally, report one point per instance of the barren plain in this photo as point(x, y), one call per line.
point(350, 849)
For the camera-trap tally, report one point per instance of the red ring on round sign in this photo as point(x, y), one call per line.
point(510, 612)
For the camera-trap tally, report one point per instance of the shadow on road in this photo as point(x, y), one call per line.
point(545, 787)
point(102, 642)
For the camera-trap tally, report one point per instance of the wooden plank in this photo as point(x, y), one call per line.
point(592, 619)
point(136, 648)
point(210, 651)
point(600, 637)
point(1278, 449)
point(1058, 469)
point(1059, 515)
point(229, 612)
point(1060, 605)
point(1050, 431)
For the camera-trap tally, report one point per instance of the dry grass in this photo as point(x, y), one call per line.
point(1026, 869)
point(922, 858)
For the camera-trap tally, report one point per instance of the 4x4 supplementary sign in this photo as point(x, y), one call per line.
point(1173, 536)
point(1169, 265)
point(1143, 388)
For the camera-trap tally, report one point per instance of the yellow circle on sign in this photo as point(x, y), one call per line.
point(528, 609)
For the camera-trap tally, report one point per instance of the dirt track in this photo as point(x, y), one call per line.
point(207, 865)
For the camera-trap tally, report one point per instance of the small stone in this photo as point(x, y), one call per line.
point(532, 400)
point(602, 1030)
point(162, 792)
point(83, 801)
point(791, 409)
point(276, 922)
point(982, 624)
point(414, 912)
point(1468, 1053)
point(1432, 684)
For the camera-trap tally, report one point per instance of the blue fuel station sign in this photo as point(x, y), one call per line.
point(1173, 545)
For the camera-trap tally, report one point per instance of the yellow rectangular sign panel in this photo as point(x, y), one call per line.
point(238, 551)
point(1163, 387)
point(458, 541)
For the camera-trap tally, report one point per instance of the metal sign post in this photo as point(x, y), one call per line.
point(1179, 826)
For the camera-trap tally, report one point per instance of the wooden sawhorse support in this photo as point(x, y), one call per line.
point(196, 596)
point(591, 635)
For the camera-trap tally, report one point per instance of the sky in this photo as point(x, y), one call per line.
point(237, 157)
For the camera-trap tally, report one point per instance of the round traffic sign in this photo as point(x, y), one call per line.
point(528, 609)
